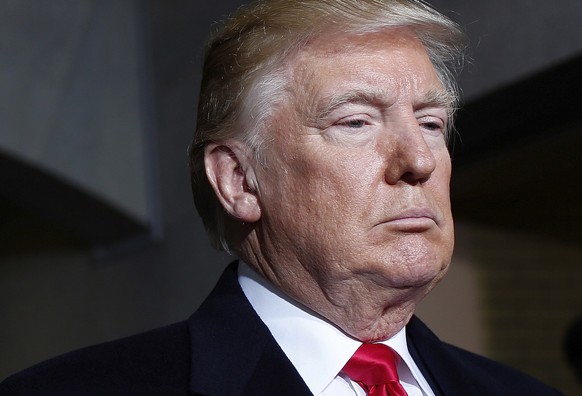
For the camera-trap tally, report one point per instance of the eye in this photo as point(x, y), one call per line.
point(432, 125)
point(354, 123)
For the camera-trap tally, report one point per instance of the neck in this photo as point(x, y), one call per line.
point(363, 309)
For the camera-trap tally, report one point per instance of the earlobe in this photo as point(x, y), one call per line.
point(228, 173)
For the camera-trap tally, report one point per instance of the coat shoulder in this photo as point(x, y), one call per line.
point(456, 371)
point(504, 379)
point(156, 362)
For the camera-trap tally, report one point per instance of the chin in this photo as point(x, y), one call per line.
point(385, 327)
point(418, 263)
point(411, 274)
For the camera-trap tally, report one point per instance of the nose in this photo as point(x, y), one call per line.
point(410, 159)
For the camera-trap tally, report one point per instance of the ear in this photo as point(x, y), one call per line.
point(232, 178)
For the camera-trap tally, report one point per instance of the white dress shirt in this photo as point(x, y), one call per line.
point(317, 348)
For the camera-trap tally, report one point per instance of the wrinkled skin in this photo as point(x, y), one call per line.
point(352, 212)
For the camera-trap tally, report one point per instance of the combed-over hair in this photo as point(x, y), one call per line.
point(244, 77)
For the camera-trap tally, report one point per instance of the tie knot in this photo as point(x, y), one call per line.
point(373, 366)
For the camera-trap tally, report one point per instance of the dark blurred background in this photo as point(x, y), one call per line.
point(98, 234)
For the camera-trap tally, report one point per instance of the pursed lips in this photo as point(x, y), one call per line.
point(413, 220)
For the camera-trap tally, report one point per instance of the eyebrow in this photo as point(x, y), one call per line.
point(432, 98)
point(359, 96)
point(436, 98)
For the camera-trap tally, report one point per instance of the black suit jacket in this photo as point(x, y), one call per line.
point(225, 349)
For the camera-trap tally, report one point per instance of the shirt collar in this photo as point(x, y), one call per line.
point(303, 335)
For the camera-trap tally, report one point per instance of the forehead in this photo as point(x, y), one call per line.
point(381, 61)
point(329, 44)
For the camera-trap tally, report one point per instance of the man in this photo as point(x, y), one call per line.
point(320, 160)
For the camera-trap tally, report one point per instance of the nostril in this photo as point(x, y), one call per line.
point(411, 165)
point(413, 179)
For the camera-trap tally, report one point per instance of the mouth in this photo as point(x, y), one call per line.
point(417, 220)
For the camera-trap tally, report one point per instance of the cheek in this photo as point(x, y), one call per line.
point(324, 196)
point(345, 183)
point(443, 197)
point(441, 177)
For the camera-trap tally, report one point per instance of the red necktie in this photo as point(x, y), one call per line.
point(373, 367)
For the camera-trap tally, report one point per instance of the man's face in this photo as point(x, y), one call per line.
point(355, 193)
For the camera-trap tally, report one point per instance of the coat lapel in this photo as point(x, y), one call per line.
point(233, 352)
point(445, 373)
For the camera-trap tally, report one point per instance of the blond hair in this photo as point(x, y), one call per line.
point(244, 73)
